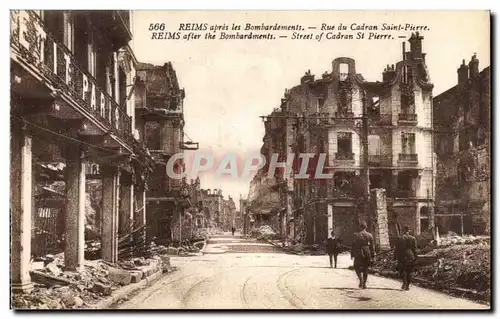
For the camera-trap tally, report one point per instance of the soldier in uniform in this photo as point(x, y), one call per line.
point(363, 252)
point(406, 254)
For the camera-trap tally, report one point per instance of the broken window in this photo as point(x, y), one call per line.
point(376, 181)
point(344, 143)
point(405, 181)
point(407, 74)
point(153, 135)
point(463, 140)
point(122, 85)
point(343, 180)
point(408, 143)
point(321, 103)
point(69, 31)
point(373, 145)
point(343, 71)
point(374, 108)
point(54, 22)
point(81, 42)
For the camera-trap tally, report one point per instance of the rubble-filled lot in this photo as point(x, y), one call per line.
point(460, 266)
point(58, 289)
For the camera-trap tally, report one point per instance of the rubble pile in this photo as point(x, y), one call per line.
point(264, 233)
point(55, 288)
point(462, 267)
point(300, 249)
point(454, 239)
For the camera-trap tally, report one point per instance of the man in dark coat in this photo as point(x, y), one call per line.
point(363, 252)
point(333, 248)
point(406, 254)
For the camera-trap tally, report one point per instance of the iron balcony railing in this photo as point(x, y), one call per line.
point(408, 157)
point(407, 117)
point(344, 114)
point(55, 63)
point(379, 160)
point(344, 156)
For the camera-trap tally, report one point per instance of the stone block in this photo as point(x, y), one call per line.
point(100, 288)
point(119, 276)
point(70, 300)
point(136, 276)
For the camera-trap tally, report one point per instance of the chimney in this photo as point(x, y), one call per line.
point(388, 73)
point(474, 67)
point(416, 45)
point(463, 74)
point(404, 51)
point(307, 78)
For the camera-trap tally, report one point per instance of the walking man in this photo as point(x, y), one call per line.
point(333, 248)
point(406, 254)
point(233, 230)
point(363, 253)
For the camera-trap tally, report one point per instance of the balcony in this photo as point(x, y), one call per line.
point(408, 159)
point(379, 160)
point(34, 48)
point(407, 119)
point(345, 117)
point(344, 156)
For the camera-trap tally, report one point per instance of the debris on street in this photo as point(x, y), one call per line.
point(460, 266)
point(55, 288)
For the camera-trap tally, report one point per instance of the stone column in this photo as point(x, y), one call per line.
point(75, 210)
point(21, 194)
point(126, 206)
point(109, 231)
point(380, 223)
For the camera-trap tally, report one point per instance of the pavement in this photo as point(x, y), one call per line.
point(235, 273)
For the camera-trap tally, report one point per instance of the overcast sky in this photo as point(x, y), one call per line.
point(229, 84)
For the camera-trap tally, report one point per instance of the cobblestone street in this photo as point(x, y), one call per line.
point(251, 275)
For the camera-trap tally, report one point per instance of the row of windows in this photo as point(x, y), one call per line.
point(344, 143)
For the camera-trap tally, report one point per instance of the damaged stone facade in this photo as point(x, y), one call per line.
point(228, 214)
point(160, 125)
point(462, 117)
point(324, 116)
point(212, 207)
point(72, 122)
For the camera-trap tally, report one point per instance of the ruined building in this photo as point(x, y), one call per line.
point(462, 117)
point(228, 213)
point(160, 125)
point(72, 119)
point(212, 207)
point(324, 116)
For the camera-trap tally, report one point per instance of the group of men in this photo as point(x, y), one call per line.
point(363, 254)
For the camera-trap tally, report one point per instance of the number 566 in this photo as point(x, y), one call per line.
point(156, 26)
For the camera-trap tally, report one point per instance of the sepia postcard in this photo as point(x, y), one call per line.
point(333, 160)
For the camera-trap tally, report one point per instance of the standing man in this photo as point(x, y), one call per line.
point(362, 252)
point(406, 254)
point(233, 230)
point(333, 248)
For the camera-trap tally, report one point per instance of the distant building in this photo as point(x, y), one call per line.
point(213, 207)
